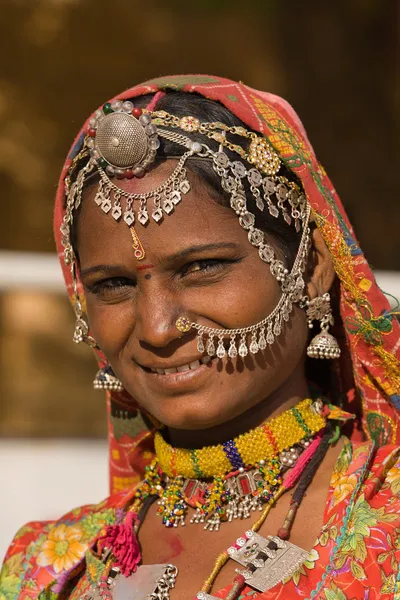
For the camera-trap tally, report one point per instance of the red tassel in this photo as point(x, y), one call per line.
point(123, 544)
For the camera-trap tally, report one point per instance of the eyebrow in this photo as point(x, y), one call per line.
point(202, 248)
point(170, 258)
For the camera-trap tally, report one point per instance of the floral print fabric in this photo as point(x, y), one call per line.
point(356, 555)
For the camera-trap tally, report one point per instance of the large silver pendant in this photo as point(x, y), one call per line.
point(267, 561)
point(149, 582)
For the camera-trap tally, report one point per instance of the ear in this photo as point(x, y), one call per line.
point(321, 273)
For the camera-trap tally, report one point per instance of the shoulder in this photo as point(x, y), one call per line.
point(41, 551)
point(364, 468)
point(360, 536)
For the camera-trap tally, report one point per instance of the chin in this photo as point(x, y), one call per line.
point(189, 415)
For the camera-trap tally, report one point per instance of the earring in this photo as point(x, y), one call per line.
point(106, 380)
point(323, 345)
point(81, 331)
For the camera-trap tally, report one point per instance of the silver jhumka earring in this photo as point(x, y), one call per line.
point(324, 344)
point(122, 143)
point(106, 380)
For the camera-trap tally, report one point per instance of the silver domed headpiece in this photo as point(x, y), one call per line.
point(123, 141)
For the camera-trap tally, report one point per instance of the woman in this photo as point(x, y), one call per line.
point(200, 240)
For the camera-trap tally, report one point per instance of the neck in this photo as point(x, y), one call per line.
point(288, 395)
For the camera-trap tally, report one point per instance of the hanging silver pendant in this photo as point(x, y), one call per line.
point(149, 581)
point(271, 559)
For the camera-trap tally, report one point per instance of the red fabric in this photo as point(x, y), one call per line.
point(369, 371)
point(355, 556)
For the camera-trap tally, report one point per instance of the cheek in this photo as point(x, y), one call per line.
point(240, 300)
point(110, 325)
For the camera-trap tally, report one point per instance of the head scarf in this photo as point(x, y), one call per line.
point(369, 371)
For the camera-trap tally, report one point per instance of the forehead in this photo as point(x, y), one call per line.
point(196, 220)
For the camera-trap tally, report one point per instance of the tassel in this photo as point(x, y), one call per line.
point(104, 588)
point(122, 542)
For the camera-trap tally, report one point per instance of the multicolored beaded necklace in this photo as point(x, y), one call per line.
point(232, 479)
point(265, 560)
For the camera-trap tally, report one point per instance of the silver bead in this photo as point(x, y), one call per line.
point(127, 106)
point(144, 119)
point(138, 172)
point(151, 129)
point(195, 147)
point(154, 143)
point(116, 105)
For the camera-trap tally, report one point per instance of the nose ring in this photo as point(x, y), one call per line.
point(183, 324)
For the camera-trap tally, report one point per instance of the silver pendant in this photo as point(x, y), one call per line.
point(148, 582)
point(274, 559)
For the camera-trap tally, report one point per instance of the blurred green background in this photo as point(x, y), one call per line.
point(334, 61)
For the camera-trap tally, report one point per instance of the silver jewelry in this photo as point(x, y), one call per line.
point(323, 345)
point(267, 561)
point(106, 380)
point(122, 142)
point(153, 582)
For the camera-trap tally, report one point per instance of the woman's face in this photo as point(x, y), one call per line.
point(199, 264)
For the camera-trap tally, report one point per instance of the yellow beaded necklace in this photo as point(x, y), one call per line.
point(262, 443)
point(233, 478)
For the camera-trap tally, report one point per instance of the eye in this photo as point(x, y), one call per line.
point(111, 286)
point(205, 265)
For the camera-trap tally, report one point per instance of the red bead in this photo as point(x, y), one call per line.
point(244, 484)
point(136, 112)
point(283, 533)
point(190, 488)
point(240, 581)
point(91, 132)
point(128, 173)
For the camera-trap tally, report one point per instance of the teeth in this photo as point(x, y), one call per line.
point(205, 359)
point(191, 366)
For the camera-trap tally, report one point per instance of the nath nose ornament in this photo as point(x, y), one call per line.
point(183, 324)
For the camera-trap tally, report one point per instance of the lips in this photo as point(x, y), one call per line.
point(192, 366)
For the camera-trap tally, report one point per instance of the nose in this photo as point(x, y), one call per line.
point(156, 313)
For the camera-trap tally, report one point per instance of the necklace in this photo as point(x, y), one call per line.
point(229, 480)
point(266, 560)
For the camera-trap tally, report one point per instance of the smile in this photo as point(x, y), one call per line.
point(182, 368)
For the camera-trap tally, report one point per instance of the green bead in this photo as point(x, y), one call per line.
point(102, 162)
point(107, 108)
